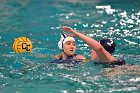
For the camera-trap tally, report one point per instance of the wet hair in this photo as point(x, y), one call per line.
point(108, 45)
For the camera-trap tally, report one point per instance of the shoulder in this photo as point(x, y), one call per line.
point(58, 56)
point(79, 57)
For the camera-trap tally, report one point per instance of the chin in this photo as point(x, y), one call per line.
point(70, 54)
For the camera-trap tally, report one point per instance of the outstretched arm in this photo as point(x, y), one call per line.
point(102, 54)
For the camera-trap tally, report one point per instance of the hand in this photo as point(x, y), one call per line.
point(67, 29)
point(71, 35)
point(81, 58)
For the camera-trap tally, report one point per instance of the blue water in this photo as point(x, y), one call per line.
point(40, 21)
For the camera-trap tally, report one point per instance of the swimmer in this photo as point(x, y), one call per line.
point(67, 47)
point(101, 51)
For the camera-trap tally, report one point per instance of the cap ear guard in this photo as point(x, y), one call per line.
point(108, 44)
point(60, 43)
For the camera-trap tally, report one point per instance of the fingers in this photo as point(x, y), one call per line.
point(66, 28)
point(72, 35)
point(63, 27)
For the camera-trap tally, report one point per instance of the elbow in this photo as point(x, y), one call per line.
point(99, 48)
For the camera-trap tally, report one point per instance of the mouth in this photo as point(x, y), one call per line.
point(71, 50)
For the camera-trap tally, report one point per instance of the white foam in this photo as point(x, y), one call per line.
point(85, 25)
point(130, 21)
point(135, 79)
point(64, 91)
point(87, 14)
point(138, 13)
point(124, 89)
point(103, 7)
point(107, 9)
point(138, 21)
point(80, 91)
point(110, 11)
point(130, 42)
point(67, 17)
point(96, 25)
point(124, 14)
point(104, 22)
point(52, 27)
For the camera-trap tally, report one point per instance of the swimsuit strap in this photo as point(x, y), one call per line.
point(68, 60)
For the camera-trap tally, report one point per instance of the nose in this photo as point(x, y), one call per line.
point(72, 46)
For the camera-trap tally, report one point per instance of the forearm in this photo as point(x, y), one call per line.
point(102, 54)
point(90, 41)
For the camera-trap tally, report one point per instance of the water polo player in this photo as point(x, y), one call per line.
point(67, 47)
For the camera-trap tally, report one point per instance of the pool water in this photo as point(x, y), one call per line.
point(40, 21)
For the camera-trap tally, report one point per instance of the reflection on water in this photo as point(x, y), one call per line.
point(40, 21)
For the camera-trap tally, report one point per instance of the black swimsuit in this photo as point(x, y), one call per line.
point(119, 62)
point(69, 60)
